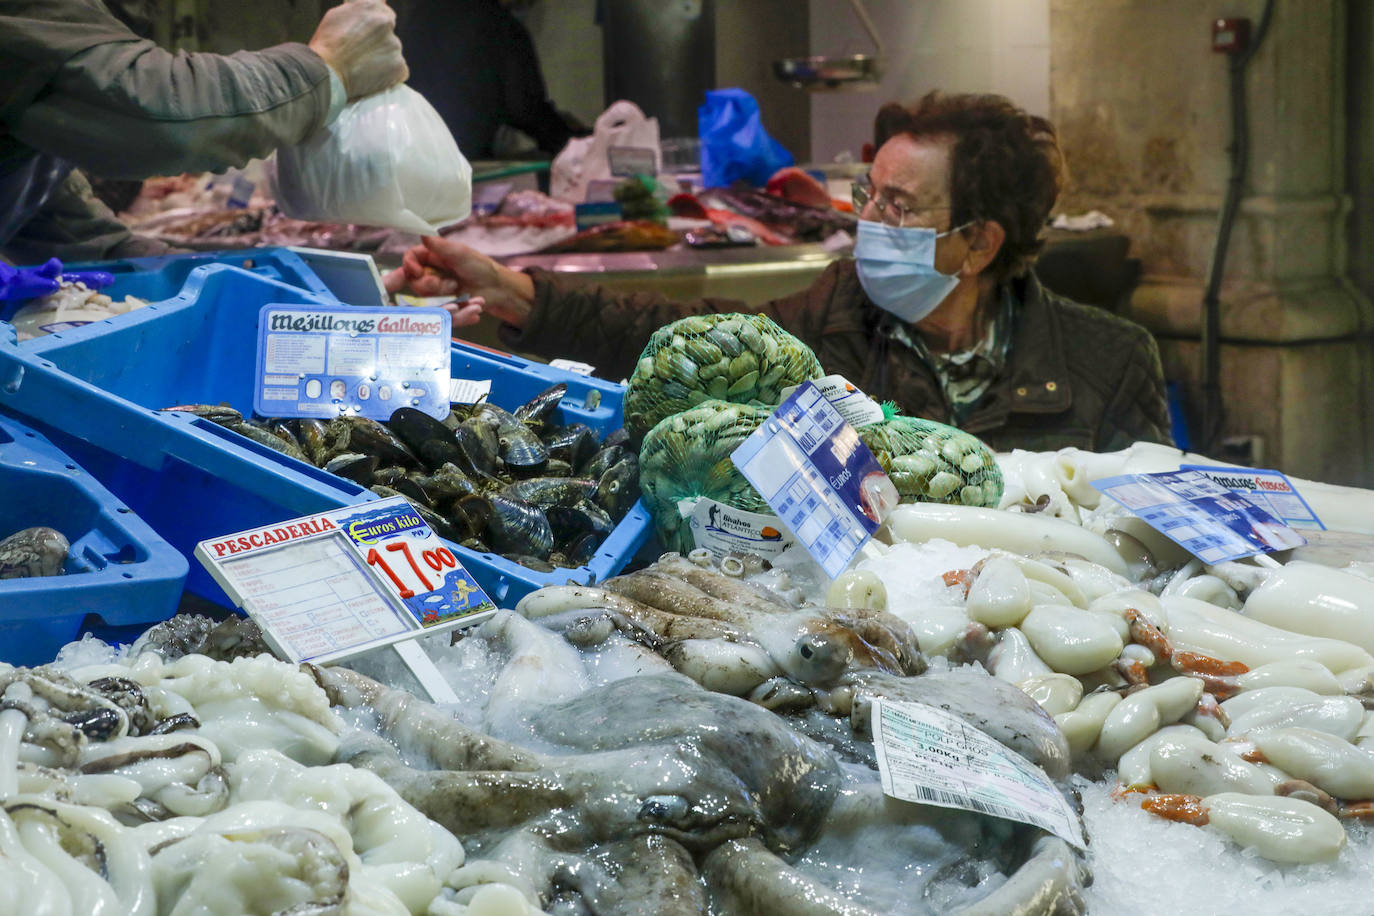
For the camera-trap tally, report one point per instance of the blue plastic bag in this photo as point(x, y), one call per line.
point(734, 144)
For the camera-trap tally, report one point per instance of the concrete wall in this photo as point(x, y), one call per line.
point(750, 35)
point(1143, 111)
point(1359, 163)
point(998, 46)
point(568, 42)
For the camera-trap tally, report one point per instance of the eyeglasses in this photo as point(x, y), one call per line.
point(889, 211)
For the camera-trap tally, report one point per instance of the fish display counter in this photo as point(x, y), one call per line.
point(702, 736)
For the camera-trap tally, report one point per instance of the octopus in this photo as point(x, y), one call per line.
point(118, 783)
point(649, 793)
point(730, 636)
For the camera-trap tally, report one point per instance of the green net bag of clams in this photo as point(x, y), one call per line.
point(687, 456)
point(930, 462)
point(744, 359)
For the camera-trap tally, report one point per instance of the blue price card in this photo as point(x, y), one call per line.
point(1271, 490)
point(414, 562)
point(1210, 521)
point(331, 361)
point(330, 586)
point(824, 484)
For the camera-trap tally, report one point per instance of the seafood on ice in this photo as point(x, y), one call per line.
point(1234, 696)
point(120, 780)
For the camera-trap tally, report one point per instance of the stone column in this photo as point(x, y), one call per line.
point(1142, 105)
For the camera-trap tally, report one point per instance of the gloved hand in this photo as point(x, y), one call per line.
point(358, 40)
point(31, 282)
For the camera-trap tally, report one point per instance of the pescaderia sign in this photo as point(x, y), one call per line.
point(330, 586)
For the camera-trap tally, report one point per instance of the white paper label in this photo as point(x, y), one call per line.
point(336, 584)
point(723, 530)
point(468, 391)
point(572, 365)
point(931, 757)
point(857, 408)
point(628, 161)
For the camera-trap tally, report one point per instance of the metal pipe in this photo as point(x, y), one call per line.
point(862, 12)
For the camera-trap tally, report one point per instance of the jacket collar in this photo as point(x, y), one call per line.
point(1036, 379)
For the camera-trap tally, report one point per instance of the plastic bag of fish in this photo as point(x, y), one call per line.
point(744, 359)
point(687, 457)
point(932, 462)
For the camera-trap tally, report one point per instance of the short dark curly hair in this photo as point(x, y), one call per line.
point(1006, 165)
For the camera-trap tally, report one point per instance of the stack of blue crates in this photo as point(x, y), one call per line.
point(118, 571)
point(97, 392)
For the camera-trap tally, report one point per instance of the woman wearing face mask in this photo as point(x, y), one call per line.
point(938, 311)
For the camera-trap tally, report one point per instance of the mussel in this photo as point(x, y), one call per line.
point(264, 436)
point(516, 527)
point(521, 449)
point(314, 440)
point(602, 461)
point(360, 434)
point(618, 488)
point(428, 438)
point(478, 449)
point(569, 523)
point(537, 411)
point(355, 467)
point(573, 444)
point(553, 491)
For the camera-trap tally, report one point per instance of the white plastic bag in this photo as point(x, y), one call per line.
point(586, 159)
point(387, 160)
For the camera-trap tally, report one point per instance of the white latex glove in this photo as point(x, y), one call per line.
point(358, 41)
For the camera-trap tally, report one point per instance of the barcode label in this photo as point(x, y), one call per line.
point(950, 800)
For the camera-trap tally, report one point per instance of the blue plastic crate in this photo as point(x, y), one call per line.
point(162, 278)
point(117, 568)
point(96, 390)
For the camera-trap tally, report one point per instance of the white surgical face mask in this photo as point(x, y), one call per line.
point(897, 268)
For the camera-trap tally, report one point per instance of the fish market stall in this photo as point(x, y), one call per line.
point(642, 717)
point(1212, 734)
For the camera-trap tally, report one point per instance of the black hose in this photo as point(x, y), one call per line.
point(1212, 410)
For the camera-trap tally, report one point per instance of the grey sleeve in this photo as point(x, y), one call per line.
point(74, 226)
point(128, 109)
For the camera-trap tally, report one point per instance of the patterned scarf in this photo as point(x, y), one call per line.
point(964, 376)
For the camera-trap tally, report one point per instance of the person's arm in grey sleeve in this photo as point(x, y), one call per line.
point(74, 226)
point(129, 109)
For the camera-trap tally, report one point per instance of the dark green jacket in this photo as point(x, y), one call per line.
point(1076, 375)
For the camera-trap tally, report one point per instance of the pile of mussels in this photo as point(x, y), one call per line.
point(513, 483)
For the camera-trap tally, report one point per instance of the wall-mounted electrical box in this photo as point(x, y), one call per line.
point(1230, 36)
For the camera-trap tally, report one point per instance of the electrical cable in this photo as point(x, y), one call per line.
point(1212, 410)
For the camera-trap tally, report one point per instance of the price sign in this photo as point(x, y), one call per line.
point(1207, 519)
point(824, 484)
point(331, 361)
point(1272, 491)
point(341, 583)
